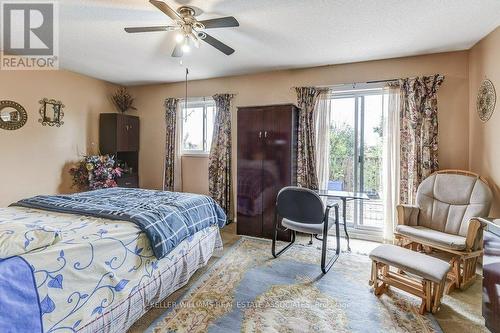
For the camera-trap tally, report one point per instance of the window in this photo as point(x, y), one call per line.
point(197, 126)
point(356, 150)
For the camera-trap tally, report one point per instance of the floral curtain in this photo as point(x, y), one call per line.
point(219, 168)
point(306, 150)
point(171, 106)
point(419, 132)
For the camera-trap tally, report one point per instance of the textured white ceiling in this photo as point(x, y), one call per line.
point(275, 34)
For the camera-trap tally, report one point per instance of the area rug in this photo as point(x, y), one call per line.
point(248, 290)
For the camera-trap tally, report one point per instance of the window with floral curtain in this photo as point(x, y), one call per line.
point(172, 176)
point(306, 150)
point(419, 132)
point(219, 169)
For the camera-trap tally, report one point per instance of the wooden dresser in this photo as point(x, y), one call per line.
point(267, 145)
point(491, 276)
point(119, 136)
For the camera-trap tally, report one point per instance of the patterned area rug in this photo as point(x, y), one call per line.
point(249, 291)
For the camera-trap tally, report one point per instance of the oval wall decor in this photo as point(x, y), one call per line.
point(12, 115)
point(486, 99)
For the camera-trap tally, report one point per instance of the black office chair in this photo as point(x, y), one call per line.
point(303, 210)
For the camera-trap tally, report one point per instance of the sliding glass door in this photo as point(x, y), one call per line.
point(356, 148)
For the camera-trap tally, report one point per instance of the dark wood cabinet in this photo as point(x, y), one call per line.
point(267, 144)
point(491, 277)
point(119, 136)
point(127, 130)
point(128, 180)
point(118, 133)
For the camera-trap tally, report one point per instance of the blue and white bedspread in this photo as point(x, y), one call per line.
point(167, 218)
point(97, 275)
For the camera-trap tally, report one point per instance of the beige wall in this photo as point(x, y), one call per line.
point(195, 174)
point(275, 87)
point(484, 144)
point(35, 159)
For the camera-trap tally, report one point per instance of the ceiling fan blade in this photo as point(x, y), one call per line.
point(223, 22)
point(150, 29)
point(166, 9)
point(177, 52)
point(218, 44)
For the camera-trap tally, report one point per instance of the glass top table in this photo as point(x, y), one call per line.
point(344, 196)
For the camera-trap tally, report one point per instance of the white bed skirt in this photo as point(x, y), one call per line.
point(185, 260)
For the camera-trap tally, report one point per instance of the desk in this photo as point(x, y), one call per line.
point(344, 197)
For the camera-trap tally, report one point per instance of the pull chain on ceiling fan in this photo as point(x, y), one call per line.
point(189, 30)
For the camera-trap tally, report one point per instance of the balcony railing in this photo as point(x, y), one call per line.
point(373, 209)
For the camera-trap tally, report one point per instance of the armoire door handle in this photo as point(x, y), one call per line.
point(260, 134)
point(265, 134)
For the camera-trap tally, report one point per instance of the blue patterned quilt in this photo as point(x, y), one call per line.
point(167, 218)
point(98, 275)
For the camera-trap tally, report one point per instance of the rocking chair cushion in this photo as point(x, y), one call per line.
point(454, 242)
point(308, 228)
point(425, 266)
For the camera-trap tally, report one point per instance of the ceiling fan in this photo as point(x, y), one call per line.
point(189, 30)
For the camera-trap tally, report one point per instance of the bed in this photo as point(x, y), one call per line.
point(94, 268)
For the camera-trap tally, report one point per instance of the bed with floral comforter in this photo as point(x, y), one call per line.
point(68, 272)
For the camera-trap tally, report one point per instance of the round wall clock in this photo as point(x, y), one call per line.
point(486, 99)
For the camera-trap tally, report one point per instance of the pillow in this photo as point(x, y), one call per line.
point(19, 238)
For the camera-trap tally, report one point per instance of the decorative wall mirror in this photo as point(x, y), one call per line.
point(51, 112)
point(12, 115)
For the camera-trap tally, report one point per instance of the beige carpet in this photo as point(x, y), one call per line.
point(229, 237)
point(460, 311)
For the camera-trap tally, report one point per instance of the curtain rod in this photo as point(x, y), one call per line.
point(381, 81)
point(354, 83)
point(203, 97)
point(351, 83)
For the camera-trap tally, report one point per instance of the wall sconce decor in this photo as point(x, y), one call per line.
point(12, 115)
point(51, 112)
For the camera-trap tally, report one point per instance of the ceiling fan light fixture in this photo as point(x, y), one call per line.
point(189, 31)
point(179, 37)
point(185, 47)
point(194, 40)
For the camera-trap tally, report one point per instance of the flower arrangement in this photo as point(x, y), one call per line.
point(123, 100)
point(95, 172)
